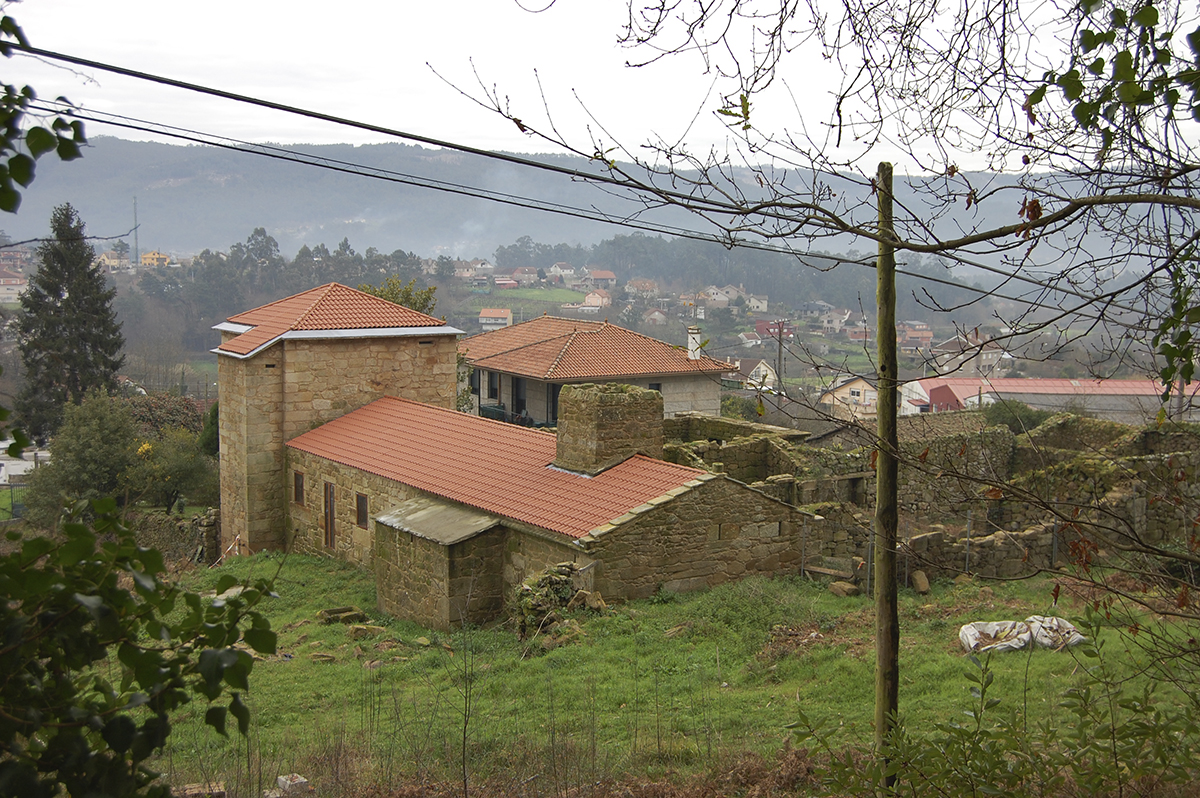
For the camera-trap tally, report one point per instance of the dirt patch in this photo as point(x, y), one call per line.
point(853, 632)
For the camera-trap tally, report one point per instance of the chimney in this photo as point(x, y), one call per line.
point(602, 425)
point(694, 343)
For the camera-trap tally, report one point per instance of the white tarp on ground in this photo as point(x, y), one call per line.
point(994, 636)
point(1042, 630)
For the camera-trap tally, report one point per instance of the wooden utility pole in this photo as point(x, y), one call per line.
point(887, 621)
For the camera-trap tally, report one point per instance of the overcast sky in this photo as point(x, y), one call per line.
point(370, 61)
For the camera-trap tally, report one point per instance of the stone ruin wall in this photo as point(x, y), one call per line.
point(1146, 484)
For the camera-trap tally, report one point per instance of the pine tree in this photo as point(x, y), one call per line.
point(68, 334)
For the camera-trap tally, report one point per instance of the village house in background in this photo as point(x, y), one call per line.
point(519, 371)
point(853, 398)
point(16, 258)
point(12, 285)
point(969, 355)
point(495, 318)
point(154, 259)
point(753, 375)
point(655, 317)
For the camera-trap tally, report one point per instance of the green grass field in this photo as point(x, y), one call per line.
point(648, 688)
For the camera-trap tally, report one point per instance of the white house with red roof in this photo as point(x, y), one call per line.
point(339, 437)
point(495, 318)
point(521, 369)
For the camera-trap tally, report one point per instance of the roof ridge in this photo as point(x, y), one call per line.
point(659, 341)
point(281, 300)
point(538, 342)
point(562, 351)
point(328, 289)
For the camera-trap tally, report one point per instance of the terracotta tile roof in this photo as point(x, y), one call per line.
point(327, 307)
point(496, 467)
point(602, 274)
point(552, 348)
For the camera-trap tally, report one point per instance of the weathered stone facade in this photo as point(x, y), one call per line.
point(713, 532)
point(296, 385)
point(602, 425)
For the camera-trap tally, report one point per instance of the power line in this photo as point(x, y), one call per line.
point(712, 205)
point(348, 167)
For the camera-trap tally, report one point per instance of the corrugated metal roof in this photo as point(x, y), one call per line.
point(328, 307)
point(495, 467)
point(552, 348)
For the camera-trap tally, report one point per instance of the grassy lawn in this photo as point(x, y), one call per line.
point(650, 687)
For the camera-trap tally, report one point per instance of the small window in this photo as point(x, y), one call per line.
point(298, 487)
point(493, 385)
point(328, 518)
point(656, 386)
point(360, 509)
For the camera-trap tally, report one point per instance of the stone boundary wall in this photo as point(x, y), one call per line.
point(688, 427)
point(195, 539)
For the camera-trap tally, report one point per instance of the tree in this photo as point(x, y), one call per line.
point(68, 334)
point(171, 466)
point(393, 289)
point(120, 248)
point(210, 438)
point(92, 456)
point(64, 722)
point(21, 145)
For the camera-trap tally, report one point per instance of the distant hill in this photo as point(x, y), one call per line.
point(196, 197)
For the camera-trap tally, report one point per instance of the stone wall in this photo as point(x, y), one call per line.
point(1068, 431)
point(477, 590)
point(412, 577)
point(352, 543)
point(325, 379)
point(687, 427)
point(297, 385)
point(252, 454)
point(602, 425)
point(717, 531)
point(529, 552)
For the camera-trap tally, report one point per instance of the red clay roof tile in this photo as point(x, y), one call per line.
point(552, 348)
point(496, 467)
point(327, 307)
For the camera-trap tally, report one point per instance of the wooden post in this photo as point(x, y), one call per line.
point(887, 622)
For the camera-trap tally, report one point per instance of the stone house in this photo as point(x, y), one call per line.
point(339, 437)
point(292, 365)
point(396, 486)
point(522, 368)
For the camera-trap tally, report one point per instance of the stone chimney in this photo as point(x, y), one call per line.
point(602, 425)
point(694, 343)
